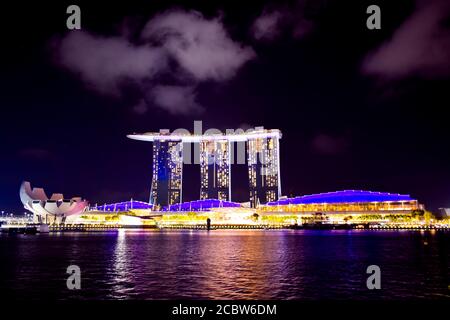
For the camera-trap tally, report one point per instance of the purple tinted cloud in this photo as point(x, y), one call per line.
point(176, 99)
point(279, 19)
point(420, 46)
point(141, 107)
point(268, 25)
point(200, 47)
point(102, 63)
point(329, 145)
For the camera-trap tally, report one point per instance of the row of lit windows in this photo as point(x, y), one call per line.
point(214, 155)
point(221, 195)
point(167, 156)
point(379, 206)
point(174, 197)
point(271, 195)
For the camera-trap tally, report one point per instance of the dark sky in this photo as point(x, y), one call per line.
point(358, 108)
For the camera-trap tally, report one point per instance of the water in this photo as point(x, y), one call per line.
point(228, 264)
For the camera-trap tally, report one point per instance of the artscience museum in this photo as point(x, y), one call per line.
point(49, 210)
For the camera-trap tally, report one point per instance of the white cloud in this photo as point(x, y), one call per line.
point(104, 62)
point(201, 46)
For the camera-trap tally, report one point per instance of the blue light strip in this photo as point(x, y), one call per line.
point(123, 206)
point(346, 196)
point(201, 205)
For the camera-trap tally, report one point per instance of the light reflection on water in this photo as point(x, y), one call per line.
point(226, 264)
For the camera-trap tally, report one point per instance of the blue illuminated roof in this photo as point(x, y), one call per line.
point(123, 206)
point(345, 196)
point(200, 205)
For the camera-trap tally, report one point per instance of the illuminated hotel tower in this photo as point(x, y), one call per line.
point(263, 169)
point(263, 157)
point(215, 170)
point(167, 172)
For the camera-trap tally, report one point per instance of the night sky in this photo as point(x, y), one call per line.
point(358, 108)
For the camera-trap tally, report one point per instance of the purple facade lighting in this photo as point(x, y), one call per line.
point(124, 206)
point(345, 196)
point(202, 205)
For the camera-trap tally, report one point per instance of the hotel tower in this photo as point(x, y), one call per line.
point(216, 158)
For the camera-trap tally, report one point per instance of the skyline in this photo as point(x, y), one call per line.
point(355, 114)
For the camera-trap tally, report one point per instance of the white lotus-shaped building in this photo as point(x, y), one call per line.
point(55, 209)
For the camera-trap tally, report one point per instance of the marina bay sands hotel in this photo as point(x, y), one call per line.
point(260, 147)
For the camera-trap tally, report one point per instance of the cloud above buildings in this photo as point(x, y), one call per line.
point(201, 47)
point(103, 63)
point(419, 47)
point(176, 51)
point(326, 144)
point(276, 20)
point(176, 99)
point(268, 25)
